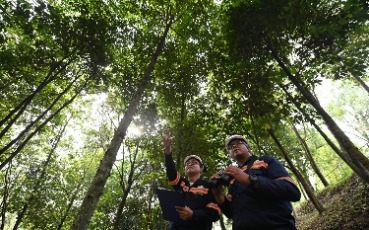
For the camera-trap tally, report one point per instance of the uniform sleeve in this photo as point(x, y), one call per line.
point(172, 174)
point(210, 212)
point(277, 188)
point(280, 189)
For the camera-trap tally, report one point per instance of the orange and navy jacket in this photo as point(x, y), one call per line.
point(198, 198)
point(266, 207)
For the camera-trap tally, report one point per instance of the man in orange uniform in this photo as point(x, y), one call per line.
point(200, 208)
point(260, 190)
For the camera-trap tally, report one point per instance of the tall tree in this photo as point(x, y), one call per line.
point(309, 156)
point(302, 180)
point(38, 181)
point(47, 60)
point(5, 196)
point(264, 31)
point(87, 208)
point(352, 155)
point(309, 118)
point(126, 181)
point(351, 110)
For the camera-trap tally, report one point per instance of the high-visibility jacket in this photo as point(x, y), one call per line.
point(198, 197)
point(266, 207)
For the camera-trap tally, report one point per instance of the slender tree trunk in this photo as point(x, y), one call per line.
point(21, 145)
point(89, 203)
point(310, 157)
point(308, 182)
point(299, 176)
point(38, 182)
point(122, 203)
point(302, 189)
point(4, 200)
point(71, 202)
point(148, 219)
point(126, 190)
point(256, 140)
point(354, 157)
point(356, 78)
point(180, 153)
point(221, 222)
point(335, 148)
point(18, 110)
point(33, 123)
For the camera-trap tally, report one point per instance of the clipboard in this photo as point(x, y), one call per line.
point(168, 199)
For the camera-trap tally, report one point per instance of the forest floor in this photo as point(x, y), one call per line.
point(346, 208)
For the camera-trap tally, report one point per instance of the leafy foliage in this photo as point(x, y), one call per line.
point(83, 61)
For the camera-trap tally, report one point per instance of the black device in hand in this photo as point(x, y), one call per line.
point(224, 180)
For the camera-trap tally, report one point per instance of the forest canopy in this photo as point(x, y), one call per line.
point(89, 88)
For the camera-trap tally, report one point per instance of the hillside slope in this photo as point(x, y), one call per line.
point(346, 204)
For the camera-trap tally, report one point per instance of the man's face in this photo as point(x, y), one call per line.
point(192, 166)
point(238, 149)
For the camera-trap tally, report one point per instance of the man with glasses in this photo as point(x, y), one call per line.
point(201, 209)
point(260, 192)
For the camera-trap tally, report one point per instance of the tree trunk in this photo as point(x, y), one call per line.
point(310, 157)
point(180, 153)
point(299, 176)
point(122, 203)
point(353, 157)
point(4, 201)
point(20, 108)
point(221, 222)
point(356, 78)
point(302, 190)
point(33, 123)
point(89, 203)
point(339, 152)
point(40, 179)
point(21, 145)
point(70, 205)
point(125, 190)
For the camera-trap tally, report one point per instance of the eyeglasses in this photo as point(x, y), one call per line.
point(192, 162)
point(234, 144)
